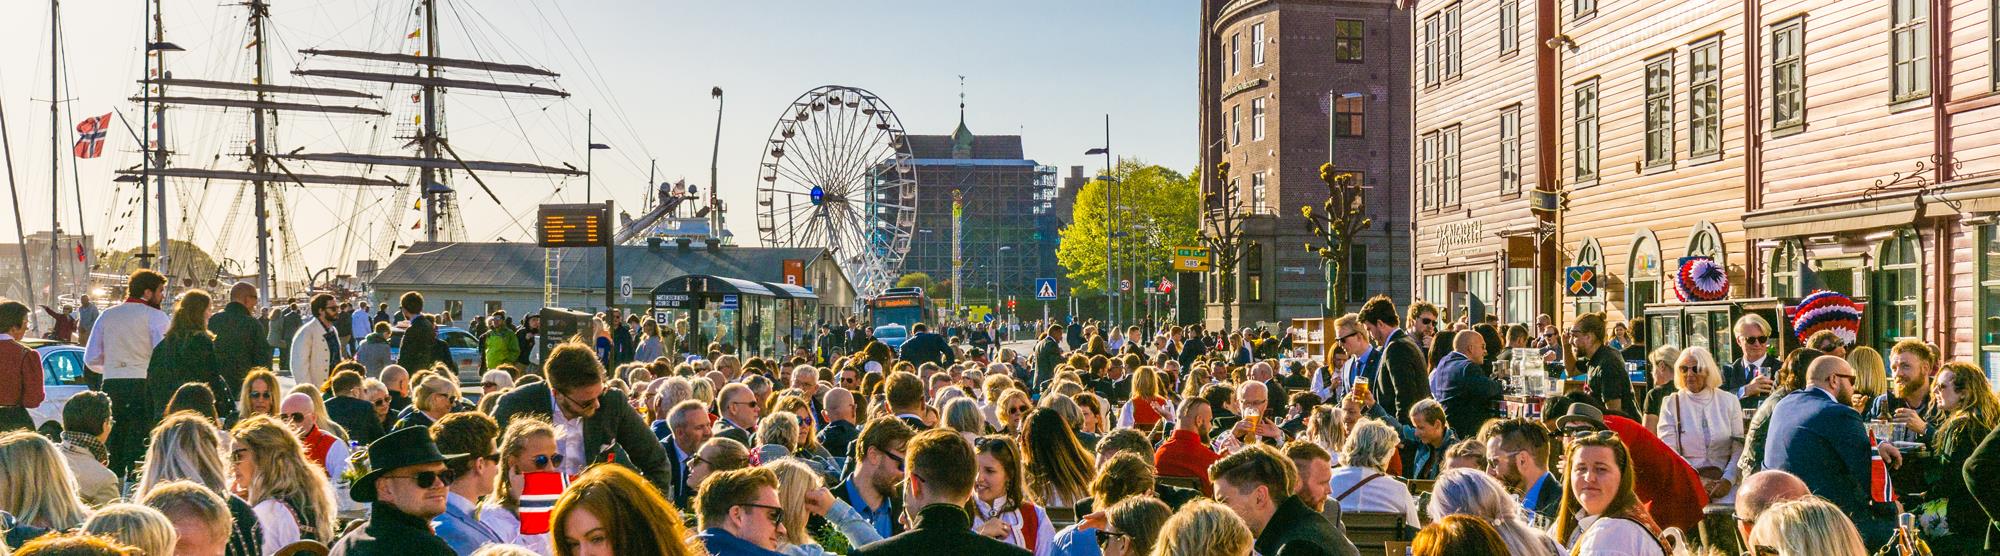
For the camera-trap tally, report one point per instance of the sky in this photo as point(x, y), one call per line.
point(1050, 70)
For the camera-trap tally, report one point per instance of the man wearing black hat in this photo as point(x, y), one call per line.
point(405, 488)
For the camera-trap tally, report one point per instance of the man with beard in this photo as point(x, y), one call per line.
point(593, 423)
point(1517, 453)
point(873, 488)
point(1914, 363)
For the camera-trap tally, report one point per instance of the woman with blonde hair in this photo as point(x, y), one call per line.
point(1660, 366)
point(36, 486)
point(1327, 428)
point(290, 495)
point(1204, 528)
point(1476, 494)
point(807, 446)
point(141, 527)
point(651, 346)
point(1871, 377)
point(528, 445)
point(1014, 408)
point(1809, 526)
point(1961, 394)
point(609, 510)
point(1704, 423)
point(434, 396)
point(187, 447)
point(1149, 406)
point(800, 486)
point(259, 395)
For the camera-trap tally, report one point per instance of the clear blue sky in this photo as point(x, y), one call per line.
point(1046, 69)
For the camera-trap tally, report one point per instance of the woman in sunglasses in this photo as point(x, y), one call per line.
point(801, 487)
point(1131, 526)
point(260, 395)
point(434, 397)
point(289, 494)
point(1600, 511)
point(187, 447)
point(1000, 505)
point(1809, 526)
point(1014, 408)
point(528, 445)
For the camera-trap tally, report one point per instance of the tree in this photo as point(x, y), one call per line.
point(193, 267)
point(1335, 225)
point(919, 280)
point(1158, 213)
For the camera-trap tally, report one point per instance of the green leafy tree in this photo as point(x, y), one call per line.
point(920, 280)
point(192, 267)
point(1159, 211)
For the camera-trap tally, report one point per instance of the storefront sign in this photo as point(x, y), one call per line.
point(1520, 252)
point(1454, 236)
point(1240, 87)
point(795, 272)
point(672, 300)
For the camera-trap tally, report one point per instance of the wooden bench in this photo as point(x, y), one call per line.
point(1373, 531)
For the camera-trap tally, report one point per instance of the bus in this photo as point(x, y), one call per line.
point(892, 313)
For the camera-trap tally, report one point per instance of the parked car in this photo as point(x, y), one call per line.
point(62, 377)
point(892, 335)
point(464, 351)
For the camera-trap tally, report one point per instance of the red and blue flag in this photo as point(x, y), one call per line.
point(90, 136)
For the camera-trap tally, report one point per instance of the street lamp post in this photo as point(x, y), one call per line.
point(589, 152)
point(714, 156)
point(1110, 228)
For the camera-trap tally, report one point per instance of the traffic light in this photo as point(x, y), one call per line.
point(1010, 303)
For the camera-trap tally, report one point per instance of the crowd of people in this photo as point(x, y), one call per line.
point(205, 438)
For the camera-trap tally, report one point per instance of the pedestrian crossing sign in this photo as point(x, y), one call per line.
point(1045, 288)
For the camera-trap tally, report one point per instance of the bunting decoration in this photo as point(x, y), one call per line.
point(1826, 310)
point(1701, 279)
point(415, 34)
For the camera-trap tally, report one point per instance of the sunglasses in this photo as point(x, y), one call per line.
point(1018, 409)
point(426, 479)
point(777, 513)
point(260, 395)
point(1105, 536)
point(1428, 321)
point(892, 457)
point(549, 461)
point(295, 417)
point(384, 402)
point(1756, 339)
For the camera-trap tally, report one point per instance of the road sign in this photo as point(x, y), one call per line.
point(625, 287)
point(1124, 285)
point(1045, 288)
point(1166, 286)
point(1191, 259)
point(729, 301)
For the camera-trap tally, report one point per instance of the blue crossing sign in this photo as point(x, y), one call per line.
point(1045, 288)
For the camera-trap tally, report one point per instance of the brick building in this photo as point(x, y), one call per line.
point(1010, 222)
point(1282, 83)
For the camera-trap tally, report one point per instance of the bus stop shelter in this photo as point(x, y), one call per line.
point(758, 318)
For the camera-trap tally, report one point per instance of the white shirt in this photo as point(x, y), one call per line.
point(362, 324)
point(569, 437)
point(278, 523)
point(508, 526)
point(1045, 535)
point(1706, 429)
point(1384, 494)
point(1613, 537)
point(310, 361)
point(336, 459)
point(121, 345)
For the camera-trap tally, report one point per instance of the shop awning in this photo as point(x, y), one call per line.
point(1831, 218)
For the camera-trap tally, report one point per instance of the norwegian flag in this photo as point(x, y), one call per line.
point(90, 136)
point(539, 491)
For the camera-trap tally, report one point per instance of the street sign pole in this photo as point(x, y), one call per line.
point(610, 254)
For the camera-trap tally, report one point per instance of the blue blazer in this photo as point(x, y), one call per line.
point(1824, 443)
point(458, 529)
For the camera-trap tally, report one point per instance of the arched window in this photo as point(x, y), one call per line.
point(1783, 279)
point(1591, 255)
point(1897, 287)
point(1706, 241)
point(1642, 274)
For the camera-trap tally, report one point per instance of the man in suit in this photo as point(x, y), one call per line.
point(840, 431)
point(1816, 436)
point(1254, 483)
point(1047, 355)
point(925, 346)
point(421, 348)
point(1750, 377)
point(1397, 370)
point(574, 399)
point(240, 345)
point(737, 405)
point(350, 411)
point(906, 399)
point(688, 426)
point(940, 484)
point(1463, 385)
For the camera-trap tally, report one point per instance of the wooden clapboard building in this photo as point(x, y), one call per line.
point(1844, 144)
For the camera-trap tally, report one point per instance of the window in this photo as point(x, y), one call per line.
point(1448, 166)
point(1989, 299)
point(1256, 119)
point(1437, 289)
point(1479, 289)
point(1258, 194)
point(1897, 287)
point(1448, 51)
point(1642, 275)
point(1257, 45)
point(1705, 97)
point(1660, 110)
point(1579, 9)
point(1909, 48)
point(1592, 256)
point(1519, 301)
point(1357, 272)
point(1236, 124)
point(1253, 272)
point(1786, 260)
point(1510, 150)
point(1235, 53)
point(1347, 40)
point(1427, 171)
point(1510, 26)
point(1706, 241)
point(1584, 108)
point(1788, 88)
point(1427, 54)
point(1348, 119)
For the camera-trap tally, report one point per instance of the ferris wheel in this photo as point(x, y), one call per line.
point(836, 174)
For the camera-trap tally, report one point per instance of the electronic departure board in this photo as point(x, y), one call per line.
point(573, 226)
